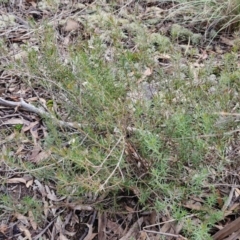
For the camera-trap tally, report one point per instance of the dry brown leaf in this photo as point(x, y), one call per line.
point(68, 218)
point(41, 188)
point(16, 180)
point(133, 231)
point(19, 150)
point(75, 219)
point(59, 225)
point(179, 227)
point(22, 55)
point(25, 231)
point(228, 200)
point(25, 179)
point(34, 4)
point(4, 150)
point(218, 49)
point(14, 121)
point(163, 56)
point(32, 99)
point(34, 132)
point(166, 227)
point(71, 234)
point(115, 227)
point(31, 1)
point(142, 236)
point(227, 41)
point(152, 12)
point(45, 133)
point(202, 56)
point(41, 156)
point(36, 150)
point(90, 234)
point(197, 207)
point(234, 207)
point(148, 72)
point(22, 219)
point(43, 102)
point(45, 208)
point(227, 213)
point(129, 209)
point(76, 206)
point(237, 192)
point(153, 217)
point(196, 221)
point(29, 183)
point(31, 125)
point(62, 237)
point(71, 25)
point(66, 40)
point(3, 228)
point(8, 138)
point(219, 199)
point(52, 196)
point(32, 220)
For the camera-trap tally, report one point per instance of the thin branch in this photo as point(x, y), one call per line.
point(30, 108)
point(47, 227)
point(114, 170)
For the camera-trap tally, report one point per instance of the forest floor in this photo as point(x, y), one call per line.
point(119, 120)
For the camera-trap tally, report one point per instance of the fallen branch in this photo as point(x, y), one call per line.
point(30, 108)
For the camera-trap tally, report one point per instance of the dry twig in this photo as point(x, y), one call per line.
point(30, 108)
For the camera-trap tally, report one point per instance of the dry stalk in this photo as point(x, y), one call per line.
point(30, 108)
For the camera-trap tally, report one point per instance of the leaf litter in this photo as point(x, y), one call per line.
point(80, 219)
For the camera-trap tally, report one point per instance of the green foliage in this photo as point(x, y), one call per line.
point(181, 33)
point(173, 131)
point(6, 202)
point(161, 43)
point(18, 127)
